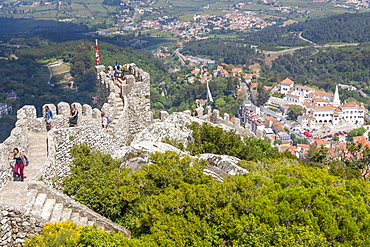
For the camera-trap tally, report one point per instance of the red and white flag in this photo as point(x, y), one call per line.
point(97, 54)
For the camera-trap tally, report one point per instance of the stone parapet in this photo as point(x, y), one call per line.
point(61, 141)
point(15, 226)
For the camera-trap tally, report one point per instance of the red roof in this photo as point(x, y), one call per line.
point(287, 81)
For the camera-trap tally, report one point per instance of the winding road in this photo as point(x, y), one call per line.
point(302, 47)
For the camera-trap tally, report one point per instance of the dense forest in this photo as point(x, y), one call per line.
point(170, 202)
point(347, 28)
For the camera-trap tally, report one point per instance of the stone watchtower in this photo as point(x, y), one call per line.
point(126, 102)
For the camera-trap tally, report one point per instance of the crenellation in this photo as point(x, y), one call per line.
point(226, 118)
point(87, 111)
point(64, 109)
point(128, 106)
point(130, 79)
point(164, 115)
point(187, 112)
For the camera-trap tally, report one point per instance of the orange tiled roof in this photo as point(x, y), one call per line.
point(323, 108)
point(323, 93)
point(254, 85)
point(350, 105)
point(321, 142)
point(292, 96)
point(287, 81)
point(304, 87)
point(303, 146)
point(320, 100)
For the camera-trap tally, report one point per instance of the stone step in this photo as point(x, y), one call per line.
point(31, 194)
point(75, 217)
point(90, 223)
point(66, 215)
point(57, 213)
point(48, 209)
point(83, 221)
point(35, 152)
point(39, 203)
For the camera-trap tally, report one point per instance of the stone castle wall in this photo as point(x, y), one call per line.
point(129, 121)
point(16, 225)
point(135, 116)
point(17, 139)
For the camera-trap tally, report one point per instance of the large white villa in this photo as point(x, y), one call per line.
point(321, 107)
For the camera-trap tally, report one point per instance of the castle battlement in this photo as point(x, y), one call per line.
point(132, 130)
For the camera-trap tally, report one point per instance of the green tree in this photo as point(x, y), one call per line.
point(295, 111)
point(220, 102)
point(355, 132)
point(209, 139)
point(262, 97)
point(87, 178)
point(317, 155)
point(280, 202)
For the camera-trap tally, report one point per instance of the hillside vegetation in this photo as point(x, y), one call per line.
point(170, 202)
point(346, 28)
point(23, 70)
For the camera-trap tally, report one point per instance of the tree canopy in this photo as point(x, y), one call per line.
point(170, 202)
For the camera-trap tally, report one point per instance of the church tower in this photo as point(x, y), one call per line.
point(336, 100)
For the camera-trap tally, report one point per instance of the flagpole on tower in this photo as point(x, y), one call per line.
point(97, 53)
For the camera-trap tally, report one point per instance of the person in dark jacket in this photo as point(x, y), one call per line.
point(73, 118)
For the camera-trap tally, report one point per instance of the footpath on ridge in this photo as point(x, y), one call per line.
point(34, 198)
point(15, 192)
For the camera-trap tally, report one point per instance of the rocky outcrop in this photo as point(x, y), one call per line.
point(227, 164)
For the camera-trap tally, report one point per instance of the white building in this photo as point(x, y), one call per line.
point(4, 108)
point(320, 106)
point(286, 85)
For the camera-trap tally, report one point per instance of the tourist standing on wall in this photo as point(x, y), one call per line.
point(48, 118)
point(105, 121)
point(117, 66)
point(20, 160)
point(125, 69)
point(73, 117)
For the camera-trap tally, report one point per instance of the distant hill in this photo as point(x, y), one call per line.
point(346, 28)
point(22, 70)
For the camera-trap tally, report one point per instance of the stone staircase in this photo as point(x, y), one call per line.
point(53, 206)
point(53, 210)
point(36, 199)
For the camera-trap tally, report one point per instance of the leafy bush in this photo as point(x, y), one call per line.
point(210, 139)
point(66, 234)
point(280, 202)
